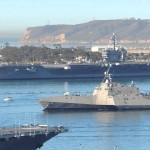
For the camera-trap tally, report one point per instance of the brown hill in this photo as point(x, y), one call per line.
point(98, 31)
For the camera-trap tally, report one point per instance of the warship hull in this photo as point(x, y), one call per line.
point(85, 107)
point(54, 106)
point(47, 71)
point(25, 142)
point(28, 137)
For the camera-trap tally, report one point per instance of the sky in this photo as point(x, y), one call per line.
point(17, 15)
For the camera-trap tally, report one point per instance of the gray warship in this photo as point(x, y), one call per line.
point(107, 96)
point(27, 137)
point(116, 57)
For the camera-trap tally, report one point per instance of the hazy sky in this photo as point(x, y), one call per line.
point(17, 15)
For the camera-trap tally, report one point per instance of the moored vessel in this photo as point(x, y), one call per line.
point(110, 57)
point(27, 137)
point(73, 70)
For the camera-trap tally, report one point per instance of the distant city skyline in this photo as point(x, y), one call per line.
point(17, 15)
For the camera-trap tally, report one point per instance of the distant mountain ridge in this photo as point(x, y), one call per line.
point(96, 32)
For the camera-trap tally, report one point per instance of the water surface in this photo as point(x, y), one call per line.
point(128, 130)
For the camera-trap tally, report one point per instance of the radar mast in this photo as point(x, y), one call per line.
point(113, 38)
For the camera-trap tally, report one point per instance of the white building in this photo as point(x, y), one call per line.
point(99, 48)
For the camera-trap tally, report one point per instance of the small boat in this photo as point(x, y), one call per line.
point(9, 99)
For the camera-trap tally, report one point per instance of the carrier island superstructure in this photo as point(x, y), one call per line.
point(107, 96)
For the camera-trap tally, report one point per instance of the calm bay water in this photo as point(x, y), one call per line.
point(129, 130)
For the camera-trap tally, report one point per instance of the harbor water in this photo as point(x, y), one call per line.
point(99, 130)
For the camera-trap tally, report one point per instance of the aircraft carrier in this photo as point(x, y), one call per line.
point(27, 137)
point(111, 57)
point(72, 71)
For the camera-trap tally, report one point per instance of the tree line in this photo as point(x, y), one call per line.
point(30, 54)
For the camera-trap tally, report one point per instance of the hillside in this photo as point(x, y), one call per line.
point(97, 31)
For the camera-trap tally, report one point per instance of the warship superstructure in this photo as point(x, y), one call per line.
point(27, 137)
point(107, 96)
